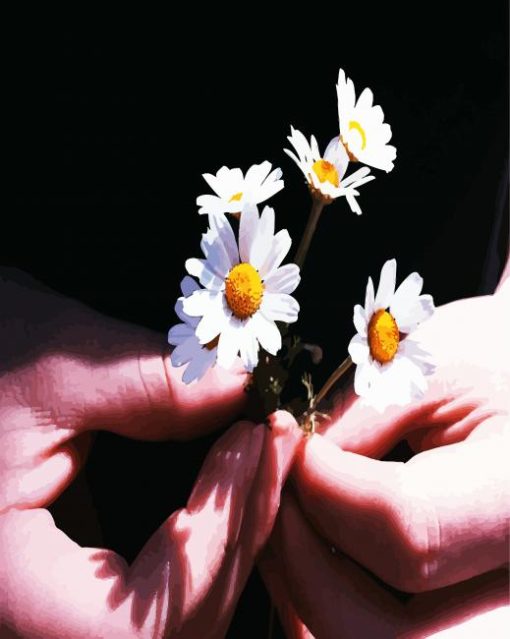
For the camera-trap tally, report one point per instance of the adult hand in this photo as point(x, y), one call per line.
point(440, 519)
point(67, 371)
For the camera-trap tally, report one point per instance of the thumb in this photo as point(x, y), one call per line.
point(95, 372)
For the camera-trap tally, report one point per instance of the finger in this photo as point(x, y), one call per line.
point(281, 441)
point(93, 372)
point(440, 518)
point(337, 598)
point(91, 592)
point(271, 568)
point(457, 390)
point(332, 596)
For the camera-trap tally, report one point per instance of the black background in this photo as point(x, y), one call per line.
point(113, 126)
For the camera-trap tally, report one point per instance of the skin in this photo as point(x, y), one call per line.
point(67, 371)
point(436, 526)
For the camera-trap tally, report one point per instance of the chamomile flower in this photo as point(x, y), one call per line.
point(246, 290)
point(198, 357)
point(363, 131)
point(390, 367)
point(325, 173)
point(234, 191)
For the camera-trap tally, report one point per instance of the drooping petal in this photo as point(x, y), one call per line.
point(199, 365)
point(179, 333)
point(184, 352)
point(386, 287)
point(188, 286)
point(353, 202)
point(229, 342)
point(280, 307)
point(249, 349)
point(357, 175)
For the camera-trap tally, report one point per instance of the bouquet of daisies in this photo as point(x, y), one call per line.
point(238, 298)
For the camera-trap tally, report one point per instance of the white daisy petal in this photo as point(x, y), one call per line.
point(284, 279)
point(247, 229)
point(210, 204)
point(179, 311)
point(249, 351)
point(256, 174)
point(369, 299)
point(293, 156)
point(365, 376)
point(229, 342)
point(276, 254)
point(213, 182)
point(221, 226)
point(197, 304)
point(419, 312)
point(279, 307)
point(357, 175)
point(213, 321)
point(184, 352)
point(261, 243)
point(179, 333)
point(337, 155)
point(199, 365)
point(359, 319)
point(353, 203)
point(188, 286)
point(386, 287)
point(218, 260)
point(201, 269)
point(267, 333)
point(358, 349)
point(406, 297)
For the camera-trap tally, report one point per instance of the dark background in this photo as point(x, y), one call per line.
point(114, 125)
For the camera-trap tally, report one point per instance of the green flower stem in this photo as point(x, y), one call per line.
point(311, 225)
point(332, 380)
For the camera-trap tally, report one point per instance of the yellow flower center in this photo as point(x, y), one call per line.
point(383, 336)
point(357, 127)
point(326, 172)
point(236, 197)
point(244, 290)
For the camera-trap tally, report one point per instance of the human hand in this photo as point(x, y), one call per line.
point(440, 519)
point(67, 371)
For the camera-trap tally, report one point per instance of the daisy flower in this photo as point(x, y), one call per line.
point(363, 131)
point(234, 191)
point(325, 173)
point(198, 357)
point(246, 290)
point(391, 368)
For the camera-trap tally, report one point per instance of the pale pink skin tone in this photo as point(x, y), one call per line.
point(438, 520)
point(67, 371)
